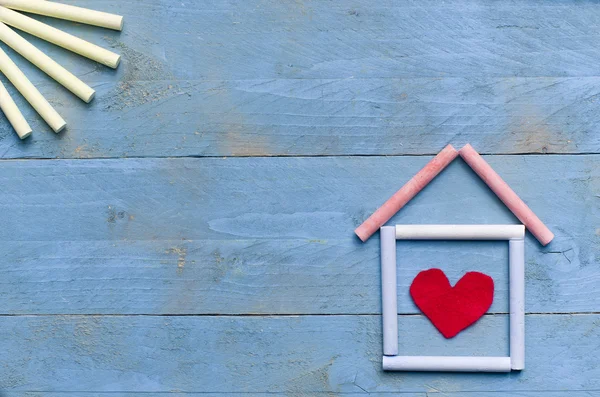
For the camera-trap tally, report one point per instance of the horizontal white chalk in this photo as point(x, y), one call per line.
point(446, 364)
point(459, 232)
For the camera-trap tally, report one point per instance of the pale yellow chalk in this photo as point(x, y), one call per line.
point(13, 114)
point(60, 38)
point(33, 96)
point(68, 12)
point(45, 63)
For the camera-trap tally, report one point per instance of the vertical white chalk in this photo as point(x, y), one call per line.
point(66, 11)
point(446, 364)
point(33, 96)
point(45, 63)
point(517, 303)
point(389, 298)
point(13, 114)
point(60, 38)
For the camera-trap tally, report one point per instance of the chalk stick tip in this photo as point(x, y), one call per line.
point(121, 23)
point(115, 62)
point(90, 97)
point(466, 148)
point(451, 148)
point(25, 135)
point(522, 229)
point(59, 128)
point(362, 234)
point(546, 239)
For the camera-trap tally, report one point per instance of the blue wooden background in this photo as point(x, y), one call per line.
point(192, 230)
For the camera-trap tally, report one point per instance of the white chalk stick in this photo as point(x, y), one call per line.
point(58, 37)
point(459, 232)
point(446, 364)
point(517, 303)
point(389, 299)
point(13, 114)
point(45, 63)
point(67, 12)
point(33, 96)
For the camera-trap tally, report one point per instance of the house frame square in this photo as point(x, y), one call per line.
point(514, 234)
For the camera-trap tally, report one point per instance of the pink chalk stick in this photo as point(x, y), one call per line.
point(406, 193)
point(507, 195)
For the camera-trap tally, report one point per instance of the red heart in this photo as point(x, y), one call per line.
point(452, 309)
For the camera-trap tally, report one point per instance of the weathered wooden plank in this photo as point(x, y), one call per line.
point(294, 394)
point(302, 394)
point(238, 40)
point(321, 117)
point(251, 78)
point(217, 394)
point(306, 354)
point(274, 236)
point(546, 393)
point(401, 393)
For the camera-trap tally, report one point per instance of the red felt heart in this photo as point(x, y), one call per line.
point(452, 309)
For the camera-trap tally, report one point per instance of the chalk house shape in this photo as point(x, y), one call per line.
point(514, 234)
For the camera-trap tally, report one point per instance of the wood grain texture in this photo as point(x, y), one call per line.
point(218, 394)
point(266, 78)
point(294, 394)
point(275, 236)
point(301, 394)
point(307, 354)
point(241, 276)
